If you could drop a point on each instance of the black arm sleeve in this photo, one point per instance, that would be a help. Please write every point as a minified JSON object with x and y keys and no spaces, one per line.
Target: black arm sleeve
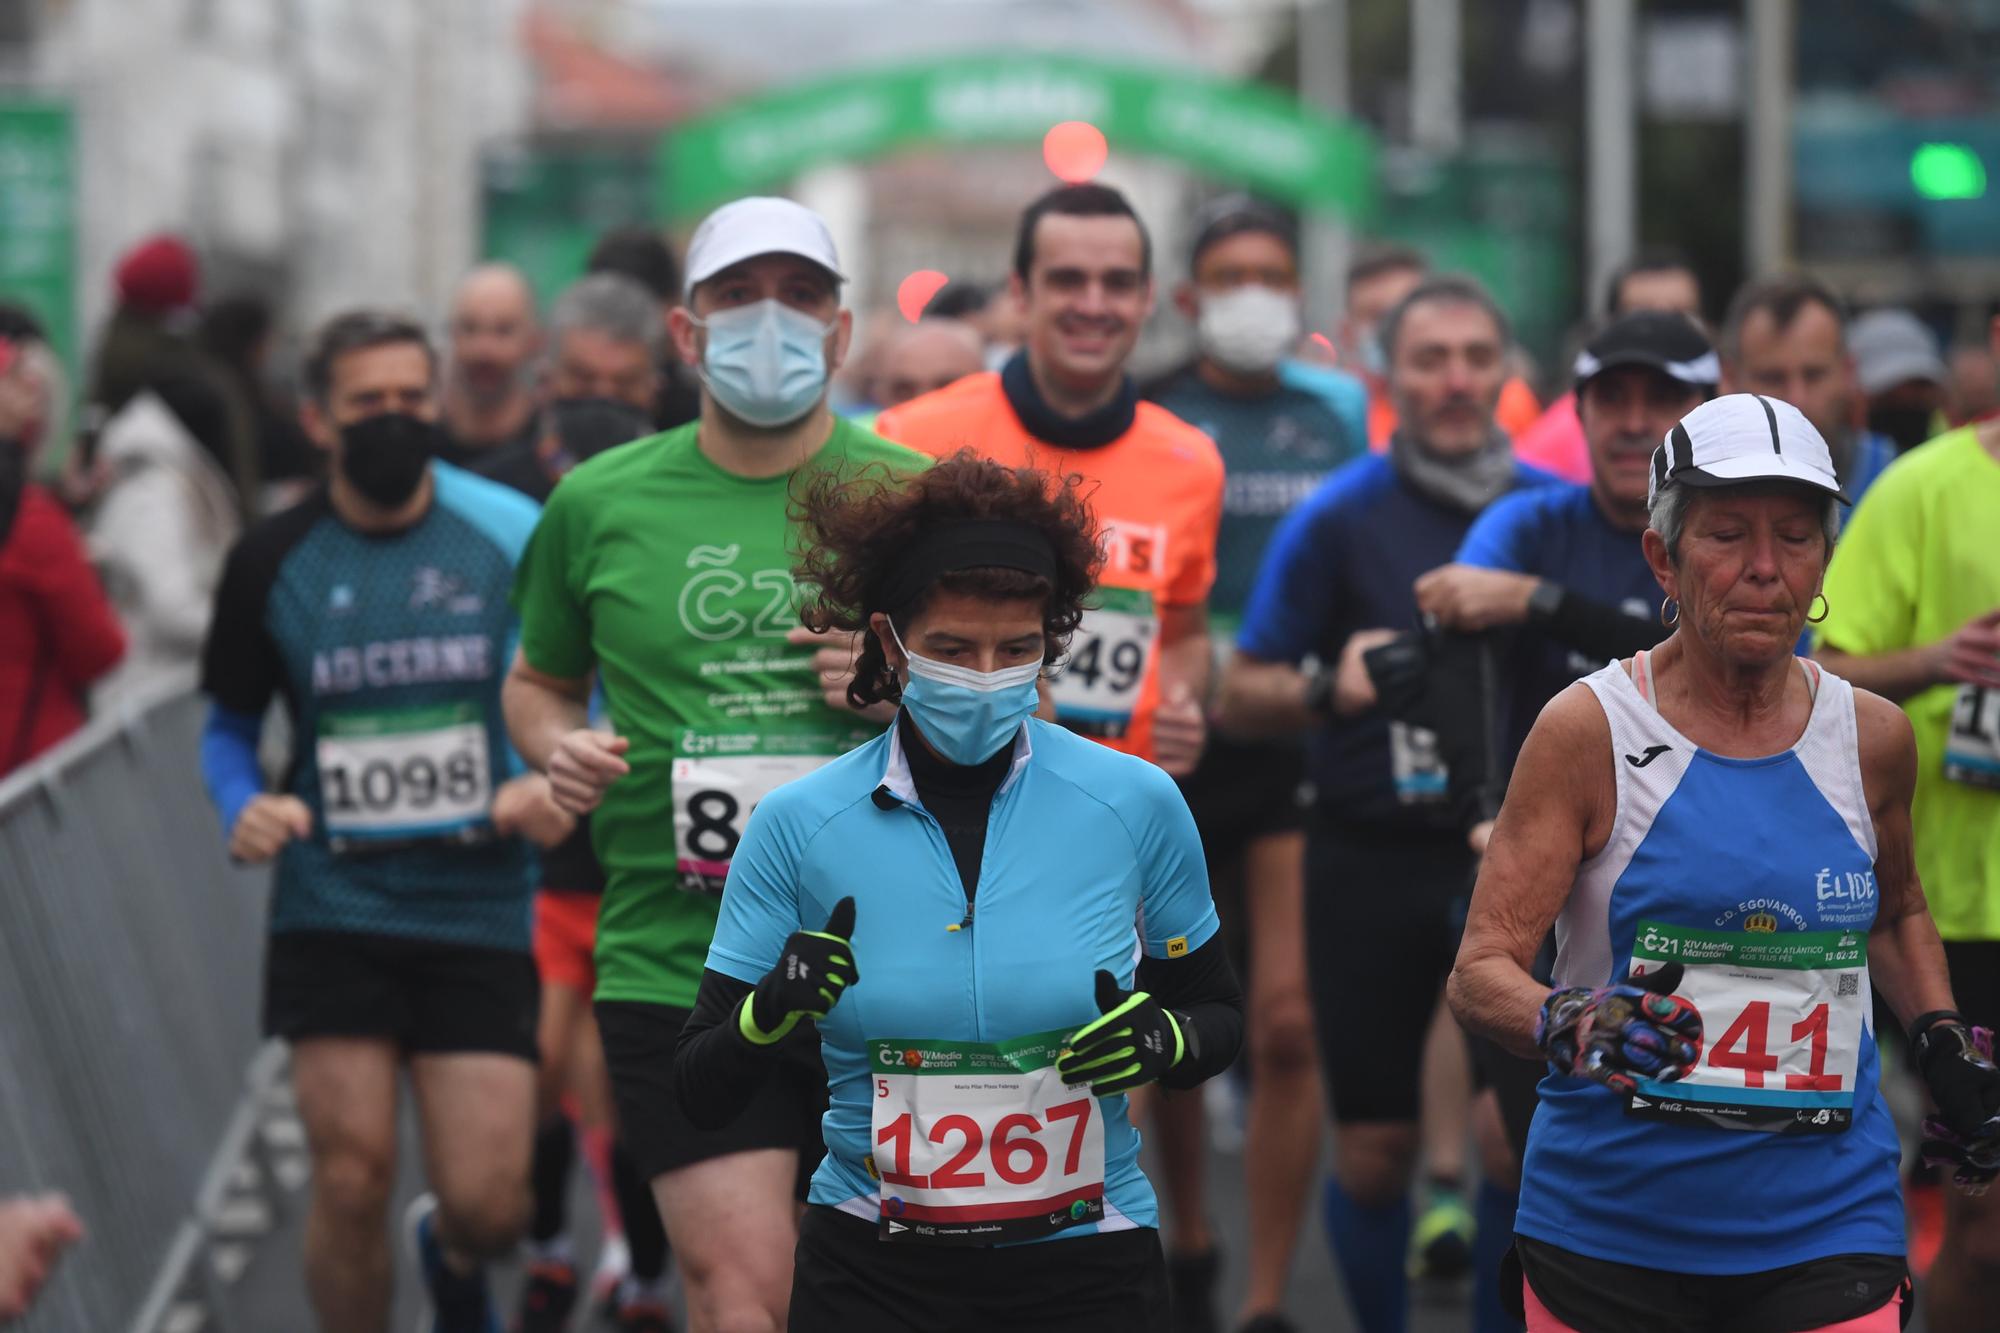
{"x":1202,"y":991}
{"x":1598,"y":629}
{"x":716,"y":1069}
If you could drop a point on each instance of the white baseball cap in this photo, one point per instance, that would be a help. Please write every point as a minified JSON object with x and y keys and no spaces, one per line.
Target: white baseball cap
{"x":1743,"y":437}
{"x":759,"y":225}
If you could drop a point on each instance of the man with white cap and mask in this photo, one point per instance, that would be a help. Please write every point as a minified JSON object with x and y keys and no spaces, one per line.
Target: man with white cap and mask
{"x":663,"y":569}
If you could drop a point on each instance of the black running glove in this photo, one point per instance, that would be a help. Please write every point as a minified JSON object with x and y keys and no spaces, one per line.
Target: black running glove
{"x":1134,"y":1042}
{"x":816,"y":968}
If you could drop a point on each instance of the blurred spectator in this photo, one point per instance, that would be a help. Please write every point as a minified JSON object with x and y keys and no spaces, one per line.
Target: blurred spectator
{"x":928,"y":355}
{"x":1900,"y":371}
{"x":158,"y":537}
{"x":959,"y":300}
{"x":33,"y":1234}
{"x":1787,"y":337}
{"x":490,"y":367}
{"x":642,"y":254}
{"x":57,"y":630}
{"x":1974,"y":391}
{"x":147,"y":345}
{"x":1653,"y":279}
{"x":1377,"y":281}
{"x":237,"y":333}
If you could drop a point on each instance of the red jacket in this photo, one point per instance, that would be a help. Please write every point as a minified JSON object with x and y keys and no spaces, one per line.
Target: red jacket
{"x":58,"y":632}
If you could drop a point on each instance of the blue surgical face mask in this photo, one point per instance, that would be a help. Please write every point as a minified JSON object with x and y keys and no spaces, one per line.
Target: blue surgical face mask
{"x":765,"y":362}
{"x":968,"y":715}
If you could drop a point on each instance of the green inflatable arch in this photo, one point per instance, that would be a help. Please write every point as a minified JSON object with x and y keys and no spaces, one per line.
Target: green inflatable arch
{"x":1246,"y":133}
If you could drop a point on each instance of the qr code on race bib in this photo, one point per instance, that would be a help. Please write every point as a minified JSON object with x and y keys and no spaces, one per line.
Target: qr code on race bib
{"x":1849,"y":984}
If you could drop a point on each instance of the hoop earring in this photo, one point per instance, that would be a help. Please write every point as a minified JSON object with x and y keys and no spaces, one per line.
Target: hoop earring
{"x":1670,"y":620}
{"x":1825,"y":609}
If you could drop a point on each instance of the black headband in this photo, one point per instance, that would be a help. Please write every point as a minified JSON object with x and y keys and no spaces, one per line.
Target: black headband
{"x":967,"y":543}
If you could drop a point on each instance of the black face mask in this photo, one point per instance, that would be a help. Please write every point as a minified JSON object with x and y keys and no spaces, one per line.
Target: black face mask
{"x":385,"y":456}
{"x":1907,"y":426}
{"x":586,"y":427}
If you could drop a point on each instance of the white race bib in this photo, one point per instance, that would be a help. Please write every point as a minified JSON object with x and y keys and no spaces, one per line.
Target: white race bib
{"x":1781,"y":1022}
{"x":1097,"y":686}
{"x":1415,"y":766}
{"x":405,"y":773}
{"x":977,"y":1144}
{"x":713,"y":797}
{"x":1972,"y":744}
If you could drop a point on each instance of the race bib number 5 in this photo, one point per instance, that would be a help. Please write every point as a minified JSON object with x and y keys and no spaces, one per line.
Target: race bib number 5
{"x":1782,"y":1017}
{"x":980,"y":1143}
{"x":397,"y":774}
{"x":1097,"y":686}
{"x":713,"y":797}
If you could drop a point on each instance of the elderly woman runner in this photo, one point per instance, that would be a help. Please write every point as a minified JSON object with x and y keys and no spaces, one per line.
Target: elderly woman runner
{"x":1000,"y":927}
{"x":1719,"y":832}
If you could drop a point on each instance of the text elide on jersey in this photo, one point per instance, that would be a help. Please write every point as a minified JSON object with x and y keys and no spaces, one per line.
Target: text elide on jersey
{"x":388,"y":663}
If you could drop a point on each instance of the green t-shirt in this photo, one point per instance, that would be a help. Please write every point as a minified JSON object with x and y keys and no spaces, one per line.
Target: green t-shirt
{"x":1917,"y":561}
{"x":673,"y":579}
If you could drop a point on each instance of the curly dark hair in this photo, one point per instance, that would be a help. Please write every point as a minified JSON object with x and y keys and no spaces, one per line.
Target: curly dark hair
{"x":855,"y":529}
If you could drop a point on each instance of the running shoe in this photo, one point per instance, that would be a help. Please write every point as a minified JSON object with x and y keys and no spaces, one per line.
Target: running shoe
{"x":454,"y":1304}
{"x":607,"y":1284}
{"x":1441,"y":1241}
{"x":643,"y":1316}
{"x":547,"y":1296}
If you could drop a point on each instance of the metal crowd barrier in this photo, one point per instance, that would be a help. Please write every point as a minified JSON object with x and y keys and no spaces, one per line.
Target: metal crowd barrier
{"x":130,"y":957}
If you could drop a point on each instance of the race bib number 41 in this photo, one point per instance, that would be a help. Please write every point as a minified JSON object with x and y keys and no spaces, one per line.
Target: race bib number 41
{"x":406,"y":773}
{"x":1781,"y":1019}
{"x":979,"y":1143}
{"x":714,"y":793}
{"x":1097,"y":686}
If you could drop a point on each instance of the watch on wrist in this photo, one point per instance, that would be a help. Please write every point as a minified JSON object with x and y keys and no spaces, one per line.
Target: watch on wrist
{"x":1319,"y":692}
{"x":1933,"y":1027}
{"x":1544,"y":601}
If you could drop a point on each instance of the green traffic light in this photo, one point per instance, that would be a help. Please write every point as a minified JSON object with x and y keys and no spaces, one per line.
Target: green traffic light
{"x":1947,"y":171}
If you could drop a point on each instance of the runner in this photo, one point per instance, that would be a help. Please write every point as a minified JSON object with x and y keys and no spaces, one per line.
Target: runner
{"x":1721,"y":835}
{"x":1650,"y":280}
{"x":1278,"y":443}
{"x":1914,"y":592}
{"x":1378,"y":280}
{"x":489,"y":393}
{"x":1338,"y":582}
{"x":1140,"y":662}
{"x":641,"y":254}
{"x":1786,"y":338}
{"x":985,"y":882}
{"x":377,"y":609}
{"x":1560,"y":573}
{"x":664,"y":567}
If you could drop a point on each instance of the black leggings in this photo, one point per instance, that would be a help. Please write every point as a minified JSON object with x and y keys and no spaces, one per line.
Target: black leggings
{"x":1383,"y":915}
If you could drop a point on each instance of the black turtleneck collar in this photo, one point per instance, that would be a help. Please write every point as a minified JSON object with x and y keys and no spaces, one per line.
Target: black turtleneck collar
{"x":1093,"y":430}
{"x":934,"y":775}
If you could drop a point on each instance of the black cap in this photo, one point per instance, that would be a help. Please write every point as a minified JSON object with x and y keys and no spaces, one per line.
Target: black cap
{"x":1662,"y":340}
{"x":1234,"y":214}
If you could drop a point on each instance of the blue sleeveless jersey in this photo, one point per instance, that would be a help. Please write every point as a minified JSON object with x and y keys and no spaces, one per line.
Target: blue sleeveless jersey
{"x":1727,"y":849}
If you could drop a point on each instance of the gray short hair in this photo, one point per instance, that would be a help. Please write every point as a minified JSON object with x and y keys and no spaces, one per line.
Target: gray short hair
{"x":614,"y":305}
{"x":1667,"y":515}
{"x":1443,"y":289}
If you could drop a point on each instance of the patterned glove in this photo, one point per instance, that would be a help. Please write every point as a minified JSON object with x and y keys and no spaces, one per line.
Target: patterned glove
{"x":1134,"y":1042}
{"x":815,"y":971}
{"x":1957,"y":1063}
{"x":1614,"y":1033}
